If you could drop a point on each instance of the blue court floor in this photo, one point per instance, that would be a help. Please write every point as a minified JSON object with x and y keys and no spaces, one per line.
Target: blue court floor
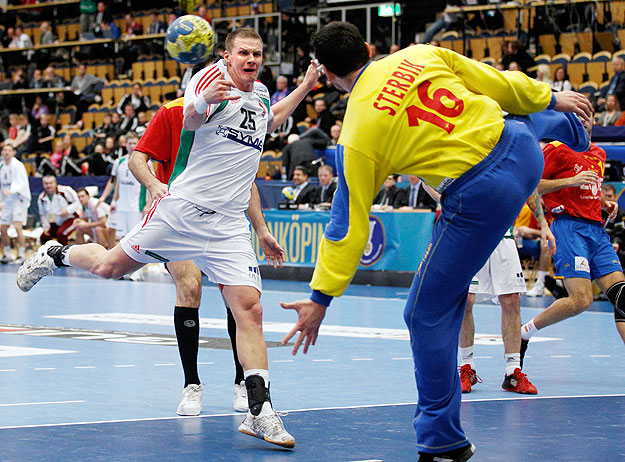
{"x":89,"y":371}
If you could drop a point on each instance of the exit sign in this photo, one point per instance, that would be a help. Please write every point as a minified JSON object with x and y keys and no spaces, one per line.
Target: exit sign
{"x":385,"y":11}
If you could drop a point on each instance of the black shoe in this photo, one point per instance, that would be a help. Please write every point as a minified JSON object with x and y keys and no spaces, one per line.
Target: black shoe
{"x":457,"y":455}
{"x":556,"y":289}
{"x":524,"y":344}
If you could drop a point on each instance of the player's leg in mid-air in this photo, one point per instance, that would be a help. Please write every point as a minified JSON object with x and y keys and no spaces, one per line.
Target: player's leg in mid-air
{"x":108,"y":264}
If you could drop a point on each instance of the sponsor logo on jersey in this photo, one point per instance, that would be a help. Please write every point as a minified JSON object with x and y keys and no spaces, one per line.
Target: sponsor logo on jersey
{"x":558,"y":209}
{"x":240,"y":137}
{"x":375,"y":245}
{"x":581,"y":264}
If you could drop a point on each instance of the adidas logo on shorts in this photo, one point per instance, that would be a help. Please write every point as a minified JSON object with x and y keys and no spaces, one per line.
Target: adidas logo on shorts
{"x":136,"y":248}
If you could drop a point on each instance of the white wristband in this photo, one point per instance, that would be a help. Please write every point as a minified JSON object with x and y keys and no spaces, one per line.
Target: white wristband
{"x":200,"y":105}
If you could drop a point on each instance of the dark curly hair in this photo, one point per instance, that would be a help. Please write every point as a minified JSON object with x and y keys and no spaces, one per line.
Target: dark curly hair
{"x":340,"y":48}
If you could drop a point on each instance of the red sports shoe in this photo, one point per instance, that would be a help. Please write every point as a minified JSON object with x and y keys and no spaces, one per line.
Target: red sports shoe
{"x":468,"y":377}
{"x":518,"y":383}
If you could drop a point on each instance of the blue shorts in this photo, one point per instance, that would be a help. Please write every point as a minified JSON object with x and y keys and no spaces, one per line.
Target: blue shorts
{"x":583,"y":249}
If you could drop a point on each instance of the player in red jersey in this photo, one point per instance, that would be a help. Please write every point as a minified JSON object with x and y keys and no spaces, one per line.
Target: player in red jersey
{"x":571,"y":188}
{"x":160,"y":142}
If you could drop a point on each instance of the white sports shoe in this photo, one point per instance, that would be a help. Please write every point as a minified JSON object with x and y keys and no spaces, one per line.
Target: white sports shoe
{"x":35,"y":268}
{"x":269,"y":428}
{"x":239,"y":403}
{"x":7,"y":259}
{"x":536,"y":291}
{"x":191,"y":403}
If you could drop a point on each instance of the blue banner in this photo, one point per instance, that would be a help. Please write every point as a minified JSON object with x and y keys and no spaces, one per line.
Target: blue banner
{"x":397,"y":241}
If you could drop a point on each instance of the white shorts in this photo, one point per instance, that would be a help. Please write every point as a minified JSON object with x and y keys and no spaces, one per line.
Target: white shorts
{"x":123,"y":222}
{"x":501,"y":274}
{"x":14,"y":209}
{"x":177,"y":230}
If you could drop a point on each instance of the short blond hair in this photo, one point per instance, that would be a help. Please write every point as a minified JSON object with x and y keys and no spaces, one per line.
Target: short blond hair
{"x":243,"y":32}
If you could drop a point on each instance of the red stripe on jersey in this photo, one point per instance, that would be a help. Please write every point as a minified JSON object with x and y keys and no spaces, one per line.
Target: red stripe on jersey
{"x":152,"y":210}
{"x":205,"y":77}
{"x":206,"y":84}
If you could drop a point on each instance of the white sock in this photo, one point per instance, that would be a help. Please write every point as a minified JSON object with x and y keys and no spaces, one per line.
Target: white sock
{"x":65,"y":258}
{"x":513,"y":361}
{"x":21,"y":251}
{"x":540,"y":280}
{"x":467,"y":356}
{"x":528,"y":329}
{"x":7,"y":250}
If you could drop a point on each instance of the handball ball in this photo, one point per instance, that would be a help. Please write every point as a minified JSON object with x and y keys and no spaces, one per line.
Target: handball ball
{"x":288,"y":192}
{"x":190,"y":39}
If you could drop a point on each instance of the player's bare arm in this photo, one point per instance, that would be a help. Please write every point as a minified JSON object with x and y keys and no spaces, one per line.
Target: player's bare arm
{"x":309,"y":318}
{"x":217,"y":92}
{"x":548,"y":240}
{"x":138,"y":165}
{"x":283,"y":109}
{"x":546,"y":186}
{"x":272,"y":250}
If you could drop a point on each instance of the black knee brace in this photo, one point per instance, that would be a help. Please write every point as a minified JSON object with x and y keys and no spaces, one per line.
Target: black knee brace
{"x":257,"y":393}
{"x":616,"y":295}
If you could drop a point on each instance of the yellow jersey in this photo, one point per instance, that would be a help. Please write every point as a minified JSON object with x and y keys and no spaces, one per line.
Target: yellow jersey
{"x":424,"y":111}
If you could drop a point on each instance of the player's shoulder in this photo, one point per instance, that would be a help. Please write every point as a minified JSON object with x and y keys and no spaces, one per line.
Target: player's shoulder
{"x":177,"y":103}
{"x":261,"y":90}
{"x":207,"y":75}
{"x":555,"y":146}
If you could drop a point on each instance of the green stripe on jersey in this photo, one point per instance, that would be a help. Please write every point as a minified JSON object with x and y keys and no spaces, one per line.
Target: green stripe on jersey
{"x":142,"y":198}
{"x":510,"y":233}
{"x":186,"y":142}
{"x":266,"y":101}
{"x":220,"y":108}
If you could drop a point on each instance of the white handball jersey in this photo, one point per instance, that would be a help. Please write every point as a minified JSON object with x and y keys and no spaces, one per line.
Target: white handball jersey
{"x":217,"y":164}
{"x":129,"y":195}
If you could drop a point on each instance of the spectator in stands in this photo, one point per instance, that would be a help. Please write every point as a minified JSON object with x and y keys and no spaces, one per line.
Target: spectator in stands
{"x":561,"y":80}
{"x":514,"y":66}
{"x":414,"y":196}
{"x":373,"y":52}
{"x":139,"y":101}
{"x":37,"y":80}
{"x":87,"y":88}
{"x":133,"y":27}
{"x":616,"y":85}
{"x":39,"y":109}
{"x":88,"y":11}
{"x":513,"y":51}
{"x":300,"y":112}
{"x":304,"y":191}
{"x":102,"y":20}
{"x":156,"y":25}
{"x":335,"y":133}
{"x":615,"y":227}
{"x":7,"y":37}
{"x":302,"y":60}
{"x":128,"y":120}
{"x":386,"y":198}
{"x":20,"y":39}
{"x":301,"y":151}
{"x":394,"y":49}
{"x":202,"y":12}
{"x":42,"y":136}
{"x":106,"y":129}
{"x":92,"y":220}
{"x":611,"y":113}
{"x":46,"y":36}
{"x":265,"y":76}
{"x":53,"y":203}
{"x":282,"y":89}
{"x":24,"y":130}
{"x":325,"y":120}
{"x":325,"y":191}
{"x":543,"y":74}
{"x":16,"y":103}
{"x":445,"y":22}
{"x":53,"y":80}
{"x":142,"y":123}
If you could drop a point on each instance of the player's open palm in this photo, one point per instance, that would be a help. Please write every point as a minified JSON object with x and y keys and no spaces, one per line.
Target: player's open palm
{"x":219,"y":91}
{"x":309,"y":318}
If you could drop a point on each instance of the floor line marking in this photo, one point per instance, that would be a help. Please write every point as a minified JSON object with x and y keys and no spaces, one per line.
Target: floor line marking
{"x":283,"y":361}
{"x":322,"y":360}
{"x":362,"y":359}
{"x":401,"y":359}
{"x":84,"y":367}
{"x":165,"y":364}
{"x":7,"y":370}
{"x":199,"y":364}
{"x":45,"y":368}
{"x":43,"y":402}
{"x":600,"y":356}
{"x":560,"y":356}
{"x":123,"y":365}
{"x":335,"y":408}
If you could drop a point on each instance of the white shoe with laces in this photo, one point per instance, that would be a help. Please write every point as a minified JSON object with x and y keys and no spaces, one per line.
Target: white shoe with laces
{"x":35,"y":268}
{"x":536,"y":291}
{"x":269,"y":428}
{"x":191,"y":403}
{"x":239,"y":403}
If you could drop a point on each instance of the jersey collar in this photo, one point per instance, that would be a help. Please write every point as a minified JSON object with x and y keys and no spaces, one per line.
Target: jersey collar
{"x":359,"y":74}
